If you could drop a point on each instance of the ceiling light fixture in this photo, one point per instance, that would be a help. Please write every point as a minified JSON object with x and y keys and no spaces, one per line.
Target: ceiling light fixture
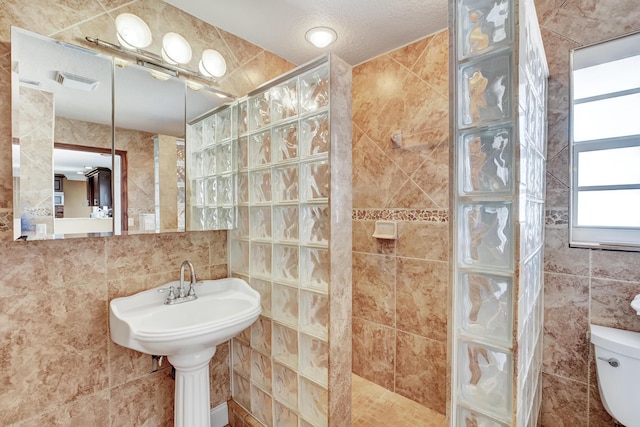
{"x":321,"y":37}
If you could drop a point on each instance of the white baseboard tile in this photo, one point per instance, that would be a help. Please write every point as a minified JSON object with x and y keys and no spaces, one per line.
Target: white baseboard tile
{"x":220,"y":415}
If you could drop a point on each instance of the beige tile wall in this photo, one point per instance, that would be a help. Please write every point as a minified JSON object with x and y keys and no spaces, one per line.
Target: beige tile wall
{"x":57,"y":363}
{"x":400,"y":287}
{"x":581,"y":286}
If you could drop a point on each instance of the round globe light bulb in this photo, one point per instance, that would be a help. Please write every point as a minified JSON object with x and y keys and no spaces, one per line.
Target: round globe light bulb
{"x":175,"y":49}
{"x":212,"y":64}
{"x":321,"y":37}
{"x":132,"y":32}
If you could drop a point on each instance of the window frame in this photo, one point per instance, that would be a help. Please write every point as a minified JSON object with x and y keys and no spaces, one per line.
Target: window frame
{"x":600,"y":237}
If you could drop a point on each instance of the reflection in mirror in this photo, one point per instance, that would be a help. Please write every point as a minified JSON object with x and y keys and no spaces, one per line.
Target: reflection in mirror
{"x":54,"y":87}
{"x":62,"y":95}
{"x":605,"y":145}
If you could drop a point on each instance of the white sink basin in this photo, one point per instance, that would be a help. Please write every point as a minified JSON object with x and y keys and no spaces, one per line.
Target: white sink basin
{"x":144,"y":323}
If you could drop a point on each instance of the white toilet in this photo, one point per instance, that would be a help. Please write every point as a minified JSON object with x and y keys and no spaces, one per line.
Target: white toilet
{"x":618,"y":366}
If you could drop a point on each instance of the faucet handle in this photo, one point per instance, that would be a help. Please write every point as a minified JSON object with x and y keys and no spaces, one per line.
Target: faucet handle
{"x":172,"y":295}
{"x":192,"y":291}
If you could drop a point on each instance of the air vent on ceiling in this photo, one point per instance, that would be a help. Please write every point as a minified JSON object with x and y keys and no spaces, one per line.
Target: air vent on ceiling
{"x":76,"y":82}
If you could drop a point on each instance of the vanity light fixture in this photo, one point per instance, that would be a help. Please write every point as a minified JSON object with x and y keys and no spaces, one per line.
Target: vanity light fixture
{"x":134,"y":35}
{"x":132,"y":32}
{"x":175,"y":49}
{"x":212,"y":64}
{"x":321,"y":37}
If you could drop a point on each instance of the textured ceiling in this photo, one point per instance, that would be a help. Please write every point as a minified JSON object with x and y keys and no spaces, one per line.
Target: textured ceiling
{"x":366,"y":28}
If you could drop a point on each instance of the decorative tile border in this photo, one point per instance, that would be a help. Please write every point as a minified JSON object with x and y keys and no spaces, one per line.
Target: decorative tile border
{"x":408,"y":215}
{"x":556,"y":217}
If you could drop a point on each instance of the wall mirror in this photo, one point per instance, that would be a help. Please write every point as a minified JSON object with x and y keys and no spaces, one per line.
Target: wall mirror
{"x":605,"y":145}
{"x":98,"y":143}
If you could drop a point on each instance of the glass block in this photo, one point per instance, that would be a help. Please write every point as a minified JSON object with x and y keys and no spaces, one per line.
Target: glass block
{"x":285,"y":183}
{"x":314,"y":269}
{"x":487,"y":161}
{"x":239,"y":256}
{"x":260,"y":149}
{"x":261,"y":335}
{"x":198,"y":190}
{"x":223,"y":125}
{"x":314,"y":89}
{"x":197,"y":218}
{"x":194,"y":136}
{"x":314,"y":180}
{"x":486,"y":235}
{"x":485,"y":91}
{"x":264,"y":289}
{"x":197,"y":165}
{"x":285,"y":385}
{"x":261,"y":370}
{"x":225,"y":157}
{"x":261,"y":260}
{"x":211,"y":219}
{"x":259,"y":111}
{"x":209,"y":162}
{"x":242,"y":391}
{"x":285,"y":223}
{"x":260,"y":222}
{"x":226,"y":190}
{"x":314,"y":224}
{"x":209,"y":130}
{"x":467,"y":417}
{"x":260,"y":186}
{"x":243,"y":118}
{"x":314,"y":356}
{"x":313,"y":402}
{"x":261,"y":404}
{"x":284,"y":100}
{"x":241,"y":357}
{"x":314,"y":314}
{"x":485,"y":307}
{"x":484,"y":26}
{"x":485,"y":379}
{"x":227,"y":218}
{"x":285,"y":143}
{"x":283,"y":416}
{"x":314,"y":135}
{"x":243,"y":188}
{"x":285,"y":263}
{"x":243,"y":153}
{"x":285,"y":305}
{"x":211,"y":190}
{"x":285,"y":345}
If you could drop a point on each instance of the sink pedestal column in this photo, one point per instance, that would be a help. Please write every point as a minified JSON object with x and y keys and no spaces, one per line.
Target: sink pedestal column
{"x":192,"y":388}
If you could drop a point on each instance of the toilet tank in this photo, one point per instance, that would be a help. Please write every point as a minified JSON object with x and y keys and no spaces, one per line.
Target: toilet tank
{"x":619,"y":385}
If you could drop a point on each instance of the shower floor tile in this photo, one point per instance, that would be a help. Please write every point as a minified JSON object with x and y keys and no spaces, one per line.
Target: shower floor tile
{"x":375,"y":406}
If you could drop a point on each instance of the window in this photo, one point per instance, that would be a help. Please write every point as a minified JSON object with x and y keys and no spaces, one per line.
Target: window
{"x":605,"y":145}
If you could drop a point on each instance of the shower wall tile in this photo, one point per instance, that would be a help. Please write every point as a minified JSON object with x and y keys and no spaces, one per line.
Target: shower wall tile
{"x":421,"y":364}
{"x":409,"y":185}
{"x":374,"y":352}
{"x":83,"y":274}
{"x":419,"y":285}
{"x":374,"y":288}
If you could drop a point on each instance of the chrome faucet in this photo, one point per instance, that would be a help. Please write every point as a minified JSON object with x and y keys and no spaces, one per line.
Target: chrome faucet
{"x":184,"y":295}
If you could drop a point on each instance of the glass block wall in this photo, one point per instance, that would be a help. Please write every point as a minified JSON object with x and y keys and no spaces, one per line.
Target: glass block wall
{"x":212,"y":170}
{"x":499,"y":144}
{"x":293,"y":245}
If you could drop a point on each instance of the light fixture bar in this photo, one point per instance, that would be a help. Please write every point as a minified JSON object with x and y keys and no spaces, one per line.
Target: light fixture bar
{"x":154,"y":62}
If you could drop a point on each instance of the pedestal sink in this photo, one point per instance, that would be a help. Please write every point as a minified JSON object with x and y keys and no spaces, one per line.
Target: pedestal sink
{"x":187,"y":333}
